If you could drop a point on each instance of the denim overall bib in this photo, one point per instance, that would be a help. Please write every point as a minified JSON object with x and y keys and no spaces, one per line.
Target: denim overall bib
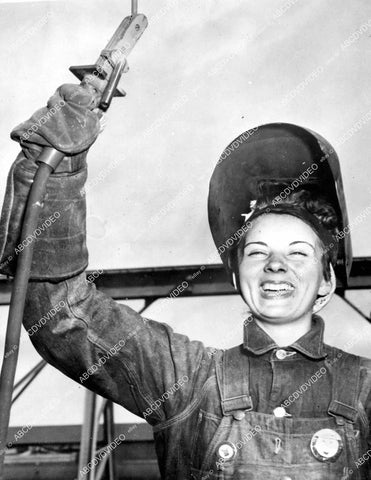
{"x":250,"y":445}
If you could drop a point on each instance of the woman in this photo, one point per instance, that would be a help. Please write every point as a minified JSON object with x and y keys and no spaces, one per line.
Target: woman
{"x":283,"y":405}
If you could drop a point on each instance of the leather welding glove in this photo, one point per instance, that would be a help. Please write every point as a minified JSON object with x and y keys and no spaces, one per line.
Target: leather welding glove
{"x":69,"y":124}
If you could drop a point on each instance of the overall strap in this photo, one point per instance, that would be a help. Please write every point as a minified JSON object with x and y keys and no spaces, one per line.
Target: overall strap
{"x":233,"y":380}
{"x":345,"y":387}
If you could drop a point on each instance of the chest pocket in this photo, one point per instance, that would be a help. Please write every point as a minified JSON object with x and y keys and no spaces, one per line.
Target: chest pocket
{"x":262,"y":447}
{"x":254,"y":446}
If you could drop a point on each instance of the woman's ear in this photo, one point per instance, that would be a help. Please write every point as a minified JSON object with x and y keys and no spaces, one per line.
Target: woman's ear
{"x":325,"y":291}
{"x":325,"y":287}
{"x":234,"y":281}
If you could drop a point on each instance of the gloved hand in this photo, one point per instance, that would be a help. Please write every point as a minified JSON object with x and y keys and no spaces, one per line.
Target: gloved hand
{"x":70,"y":124}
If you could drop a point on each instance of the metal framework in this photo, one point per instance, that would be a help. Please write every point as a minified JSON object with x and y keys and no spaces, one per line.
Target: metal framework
{"x":159,"y":282}
{"x":151,"y":284}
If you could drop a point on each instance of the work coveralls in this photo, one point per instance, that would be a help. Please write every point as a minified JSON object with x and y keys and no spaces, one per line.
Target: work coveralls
{"x":252,"y":412}
{"x":211,"y":411}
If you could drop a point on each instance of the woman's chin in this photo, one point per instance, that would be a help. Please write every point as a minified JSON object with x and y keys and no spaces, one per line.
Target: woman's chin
{"x":277,"y":313}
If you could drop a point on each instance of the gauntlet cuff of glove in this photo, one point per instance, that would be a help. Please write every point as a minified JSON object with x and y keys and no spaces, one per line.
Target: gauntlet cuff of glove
{"x":59,"y":240}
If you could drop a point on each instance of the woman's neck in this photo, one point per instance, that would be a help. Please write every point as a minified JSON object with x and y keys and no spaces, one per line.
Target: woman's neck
{"x":288,"y":333}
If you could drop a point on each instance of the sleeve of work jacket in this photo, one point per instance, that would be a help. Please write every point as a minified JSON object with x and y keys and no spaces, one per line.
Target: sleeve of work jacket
{"x":109,"y":348}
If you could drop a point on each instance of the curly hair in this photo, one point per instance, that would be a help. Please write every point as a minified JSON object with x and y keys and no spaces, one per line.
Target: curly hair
{"x":316,"y":204}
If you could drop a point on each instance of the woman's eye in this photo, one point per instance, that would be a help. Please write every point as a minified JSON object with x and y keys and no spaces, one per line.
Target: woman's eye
{"x":298,"y":252}
{"x":256,"y":253}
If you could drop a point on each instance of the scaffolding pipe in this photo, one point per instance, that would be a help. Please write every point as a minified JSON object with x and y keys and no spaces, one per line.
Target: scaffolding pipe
{"x":87,"y":434}
{"x":28,"y":378}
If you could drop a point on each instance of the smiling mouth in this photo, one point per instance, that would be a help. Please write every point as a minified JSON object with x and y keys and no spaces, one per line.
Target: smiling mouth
{"x":276,"y":289}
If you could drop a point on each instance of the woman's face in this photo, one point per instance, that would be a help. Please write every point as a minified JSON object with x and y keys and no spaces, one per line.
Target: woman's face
{"x":280,"y":271}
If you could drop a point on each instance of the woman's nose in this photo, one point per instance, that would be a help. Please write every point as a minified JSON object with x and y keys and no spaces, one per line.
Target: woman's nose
{"x":275,"y":263}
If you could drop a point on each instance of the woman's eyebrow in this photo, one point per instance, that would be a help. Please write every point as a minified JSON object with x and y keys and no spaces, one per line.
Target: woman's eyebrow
{"x":302,"y":241}
{"x":254,"y":243}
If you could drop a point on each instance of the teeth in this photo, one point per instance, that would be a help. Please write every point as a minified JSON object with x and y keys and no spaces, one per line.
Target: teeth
{"x":276,"y":287}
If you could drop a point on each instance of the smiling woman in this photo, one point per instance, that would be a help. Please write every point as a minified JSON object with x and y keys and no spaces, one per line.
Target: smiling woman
{"x":284,"y":378}
{"x":281,"y":273}
{"x":284,"y":259}
{"x":314,"y":210}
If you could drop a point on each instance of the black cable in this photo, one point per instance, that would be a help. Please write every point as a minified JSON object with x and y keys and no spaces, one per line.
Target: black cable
{"x":17,"y":302}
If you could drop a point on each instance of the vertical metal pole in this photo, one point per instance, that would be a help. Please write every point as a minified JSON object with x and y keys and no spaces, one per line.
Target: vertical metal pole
{"x":101,"y":468}
{"x":87,"y":433}
{"x":134,"y":7}
{"x":94,"y":439}
{"x":109,"y":436}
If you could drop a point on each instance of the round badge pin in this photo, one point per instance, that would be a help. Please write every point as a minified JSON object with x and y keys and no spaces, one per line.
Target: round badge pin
{"x":227,"y":451}
{"x":280,"y":412}
{"x":326,"y":445}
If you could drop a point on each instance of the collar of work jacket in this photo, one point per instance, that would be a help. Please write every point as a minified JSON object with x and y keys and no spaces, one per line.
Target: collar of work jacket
{"x":257,"y":341}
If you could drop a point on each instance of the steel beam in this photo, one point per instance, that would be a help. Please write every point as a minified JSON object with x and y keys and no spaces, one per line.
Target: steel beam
{"x":203,"y":280}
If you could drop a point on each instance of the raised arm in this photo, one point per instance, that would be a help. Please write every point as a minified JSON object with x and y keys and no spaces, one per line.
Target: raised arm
{"x":109,"y":348}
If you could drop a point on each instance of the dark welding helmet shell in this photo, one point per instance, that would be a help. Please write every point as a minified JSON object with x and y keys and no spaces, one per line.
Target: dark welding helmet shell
{"x":263,"y":162}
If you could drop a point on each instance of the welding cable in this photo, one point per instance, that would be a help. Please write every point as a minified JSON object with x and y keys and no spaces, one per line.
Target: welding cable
{"x":49,"y":160}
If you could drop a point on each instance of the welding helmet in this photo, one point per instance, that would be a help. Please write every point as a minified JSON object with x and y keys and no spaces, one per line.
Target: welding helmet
{"x":273,"y":160}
